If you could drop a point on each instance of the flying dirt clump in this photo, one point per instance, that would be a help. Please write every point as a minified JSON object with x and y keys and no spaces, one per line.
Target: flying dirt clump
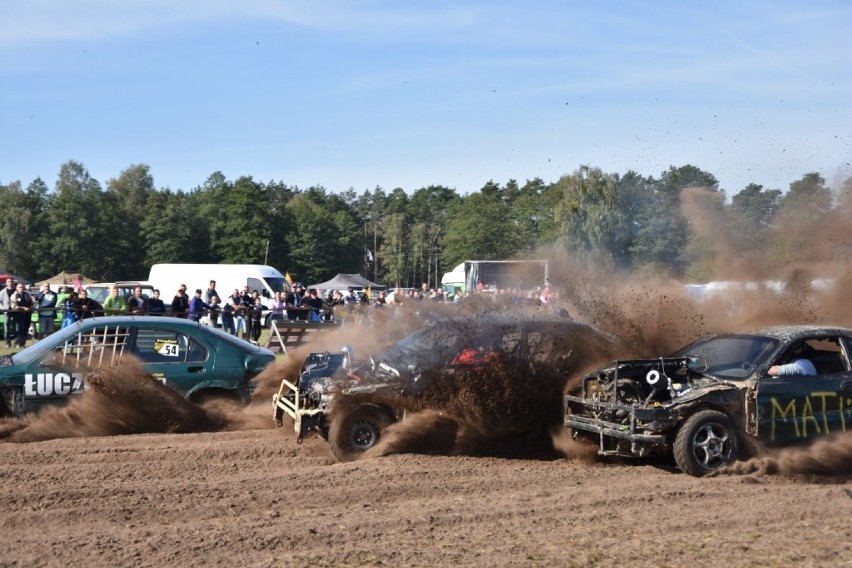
{"x":119,"y":399}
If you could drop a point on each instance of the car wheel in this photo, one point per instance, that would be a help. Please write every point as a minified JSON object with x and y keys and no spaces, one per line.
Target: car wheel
{"x":705,"y":442}
{"x":355,"y":432}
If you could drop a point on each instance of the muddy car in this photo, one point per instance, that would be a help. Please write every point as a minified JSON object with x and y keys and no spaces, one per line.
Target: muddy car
{"x":710,"y":401}
{"x":350,"y":402}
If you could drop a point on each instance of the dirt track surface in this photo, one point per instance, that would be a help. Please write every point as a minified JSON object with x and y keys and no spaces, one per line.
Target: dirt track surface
{"x":256,"y":498}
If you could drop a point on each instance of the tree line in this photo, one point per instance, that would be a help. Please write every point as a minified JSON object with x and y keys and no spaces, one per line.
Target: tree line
{"x":629,"y":221}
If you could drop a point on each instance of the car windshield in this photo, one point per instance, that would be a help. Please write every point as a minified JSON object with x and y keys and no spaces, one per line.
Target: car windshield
{"x":37,"y":350}
{"x":423,"y":348}
{"x":97,"y":293}
{"x":730,"y":356}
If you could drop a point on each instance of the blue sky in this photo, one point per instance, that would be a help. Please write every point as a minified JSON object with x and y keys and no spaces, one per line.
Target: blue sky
{"x":363,"y":94}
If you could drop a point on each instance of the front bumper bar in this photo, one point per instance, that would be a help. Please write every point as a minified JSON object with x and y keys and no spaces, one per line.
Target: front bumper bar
{"x":644,"y":425}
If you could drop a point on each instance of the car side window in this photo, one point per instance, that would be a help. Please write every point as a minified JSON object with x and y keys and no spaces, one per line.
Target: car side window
{"x":167,"y":346}
{"x":195,"y":351}
{"x":826,"y":353}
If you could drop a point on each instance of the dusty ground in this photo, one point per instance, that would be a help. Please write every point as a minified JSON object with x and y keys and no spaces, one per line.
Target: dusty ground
{"x":96,"y":485}
{"x":256,"y":498}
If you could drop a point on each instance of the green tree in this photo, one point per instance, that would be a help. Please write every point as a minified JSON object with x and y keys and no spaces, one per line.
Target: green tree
{"x":280,"y":223}
{"x":170,"y":230}
{"x":753,"y":209}
{"x":394,"y":249}
{"x":15,"y":229}
{"x":797,"y":233}
{"x":428,"y":212}
{"x":240,"y":230}
{"x":662,"y":230}
{"x":42,"y":264}
{"x":534,"y":214}
{"x":593,"y":219}
{"x":808,"y":197}
{"x":481,"y":228}
{"x":78,"y":236}
{"x":129,"y":192}
{"x":322,"y":242}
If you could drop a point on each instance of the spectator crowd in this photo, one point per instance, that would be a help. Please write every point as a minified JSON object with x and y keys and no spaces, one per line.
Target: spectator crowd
{"x":242,"y":313}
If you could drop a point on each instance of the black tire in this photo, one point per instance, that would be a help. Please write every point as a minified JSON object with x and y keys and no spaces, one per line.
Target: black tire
{"x":706,"y":441}
{"x":355,"y":432}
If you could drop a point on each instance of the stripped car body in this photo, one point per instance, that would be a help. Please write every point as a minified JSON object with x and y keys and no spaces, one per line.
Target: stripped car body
{"x":349,"y":402}
{"x":707,"y":402}
{"x":189,"y":357}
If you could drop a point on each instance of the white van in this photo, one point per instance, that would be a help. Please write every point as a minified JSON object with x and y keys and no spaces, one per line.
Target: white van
{"x":168,"y":277}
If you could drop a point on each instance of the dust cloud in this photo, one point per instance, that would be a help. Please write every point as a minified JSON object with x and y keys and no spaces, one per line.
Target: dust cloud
{"x":118,"y":399}
{"x":507,"y":407}
{"x":830,"y":456}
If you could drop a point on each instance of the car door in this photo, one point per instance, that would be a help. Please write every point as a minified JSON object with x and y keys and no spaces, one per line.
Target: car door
{"x":59,"y":372}
{"x":173,"y":357}
{"x":795,"y":408}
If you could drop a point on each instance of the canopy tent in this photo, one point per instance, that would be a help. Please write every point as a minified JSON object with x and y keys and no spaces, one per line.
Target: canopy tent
{"x":66,"y":278}
{"x":5,"y":274}
{"x":347,"y":282}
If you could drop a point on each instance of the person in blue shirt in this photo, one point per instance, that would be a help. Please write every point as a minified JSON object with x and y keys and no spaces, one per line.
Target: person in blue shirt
{"x":801,"y":367}
{"x":796,"y":364}
{"x":197,"y":307}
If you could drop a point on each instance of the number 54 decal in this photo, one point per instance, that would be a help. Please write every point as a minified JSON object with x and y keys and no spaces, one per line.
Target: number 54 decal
{"x":167,"y":347}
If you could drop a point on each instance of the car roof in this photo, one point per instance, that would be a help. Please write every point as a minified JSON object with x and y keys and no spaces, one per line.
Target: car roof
{"x":154,"y":320}
{"x":131,"y":319}
{"x":793,"y":332}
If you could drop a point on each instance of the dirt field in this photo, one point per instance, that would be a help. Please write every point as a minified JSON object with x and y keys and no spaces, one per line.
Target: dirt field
{"x":128,"y":476}
{"x":256,"y":498}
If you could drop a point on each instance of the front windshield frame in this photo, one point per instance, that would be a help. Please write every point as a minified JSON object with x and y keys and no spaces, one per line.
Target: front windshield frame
{"x":731,"y":356}
{"x":46,"y":345}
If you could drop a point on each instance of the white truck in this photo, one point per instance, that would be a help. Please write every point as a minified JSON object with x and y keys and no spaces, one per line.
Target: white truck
{"x":496,"y":274}
{"x":168,"y":277}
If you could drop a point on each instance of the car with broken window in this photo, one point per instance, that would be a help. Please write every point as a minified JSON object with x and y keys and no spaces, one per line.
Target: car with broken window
{"x":192,"y":358}
{"x":711,"y":402}
{"x":350,"y":401}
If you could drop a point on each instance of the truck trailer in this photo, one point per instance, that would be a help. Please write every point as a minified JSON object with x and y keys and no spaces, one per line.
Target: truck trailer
{"x":496,"y":274}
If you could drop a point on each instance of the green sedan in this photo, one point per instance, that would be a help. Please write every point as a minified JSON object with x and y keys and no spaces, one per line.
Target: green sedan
{"x":192,"y":358}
